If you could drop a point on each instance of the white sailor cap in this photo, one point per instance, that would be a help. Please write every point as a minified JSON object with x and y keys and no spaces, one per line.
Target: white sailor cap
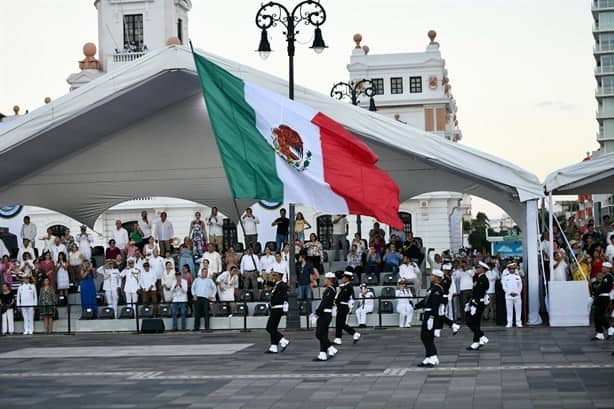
{"x":130,"y":260}
{"x":484,"y":265}
{"x":437,"y":273}
{"x":446,"y":266}
{"x":279,"y":273}
{"x":348,"y":273}
{"x":363,"y":285}
{"x":606,"y":264}
{"x":511,"y":265}
{"x":330,"y":275}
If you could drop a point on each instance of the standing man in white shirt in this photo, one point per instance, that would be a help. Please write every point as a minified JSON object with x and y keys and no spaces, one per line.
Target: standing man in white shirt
{"x":490,"y":309}
{"x":148,"y":285}
{"x":111,"y":284}
{"x":214,"y":226}
{"x":164,"y":233}
{"x":609,"y":251}
{"x":340,"y":232}
{"x":58,"y":247}
{"x":512,"y":285}
{"x":266,"y":268}
{"x":465,"y":275}
{"x":180,"y":300}
{"x":281,"y":266}
{"x":250,"y":224}
{"x":27,"y":248}
{"x":120,"y":235}
{"x":145,"y":229}
{"x":28,"y":230}
{"x":215,"y":261}
{"x":410,"y":272}
{"x":27,"y":300}
{"x":250,"y":266}
{"x":157,"y":264}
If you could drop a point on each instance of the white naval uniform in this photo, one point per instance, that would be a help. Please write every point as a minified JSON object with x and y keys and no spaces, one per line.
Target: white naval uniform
{"x":132,"y":284}
{"x":112,"y":282}
{"x":404,"y":308}
{"x":512,"y":283}
{"x":26,"y":296}
{"x":365,"y":306}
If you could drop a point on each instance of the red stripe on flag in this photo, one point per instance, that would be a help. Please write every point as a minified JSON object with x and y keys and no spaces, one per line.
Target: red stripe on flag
{"x":350,"y":170}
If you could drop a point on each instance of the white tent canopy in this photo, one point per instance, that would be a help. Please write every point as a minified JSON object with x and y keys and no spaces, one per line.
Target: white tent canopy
{"x":143,"y":131}
{"x":591,"y":176}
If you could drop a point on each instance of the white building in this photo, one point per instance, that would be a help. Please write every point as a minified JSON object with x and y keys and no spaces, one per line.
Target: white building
{"x":414,"y":88}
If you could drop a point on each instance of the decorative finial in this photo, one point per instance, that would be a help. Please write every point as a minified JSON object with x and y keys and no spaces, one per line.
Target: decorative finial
{"x":397,"y":117}
{"x":357,"y":40}
{"x":47,"y":100}
{"x":432,"y":34}
{"x":89,"y":62}
{"x":446,"y":80}
{"x":366,"y":49}
{"x":173,"y":41}
{"x":16,"y":109}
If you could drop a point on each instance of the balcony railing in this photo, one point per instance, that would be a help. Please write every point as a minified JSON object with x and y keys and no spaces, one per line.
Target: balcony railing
{"x":127,"y":57}
{"x":603,"y":4}
{"x":603,"y":27}
{"x":605,"y":91}
{"x":604,"y":47}
{"x":604,"y":69}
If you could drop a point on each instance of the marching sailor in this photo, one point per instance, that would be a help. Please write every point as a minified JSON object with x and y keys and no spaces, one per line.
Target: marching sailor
{"x":449,"y":289}
{"x":27,"y":300}
{"x":512,"y":285}
{"x":601,"y":286}
{"x":344,"y":302}
{"x":475,"y":307}
{"x":278,"y":305}
{"x":431,"y":305}
{"x":112,"y":283}
{"x":324,"y":317}
{"x":365,"y":305}
{"x":405,"y":307}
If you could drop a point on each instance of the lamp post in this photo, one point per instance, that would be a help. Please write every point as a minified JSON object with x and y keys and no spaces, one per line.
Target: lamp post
{"x":354,"y":90}
{"x":307,"y":12}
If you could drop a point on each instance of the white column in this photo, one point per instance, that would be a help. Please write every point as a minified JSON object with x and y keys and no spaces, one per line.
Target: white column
{"x":551,"y":233}
{"x":531,"y":245}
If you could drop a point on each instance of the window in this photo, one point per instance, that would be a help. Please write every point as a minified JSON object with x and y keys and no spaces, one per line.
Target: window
{"x":325,"y":230}
{"x":415,"y":85}
{"x":180,"y":30}
{"x":396,"y":85}
{"x":133,"y":32}
{"x":378,"y":86}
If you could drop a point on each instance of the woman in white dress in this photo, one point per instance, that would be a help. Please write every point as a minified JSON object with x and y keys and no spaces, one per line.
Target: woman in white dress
{"x":84,"y":241}
{"x":61,"y":271}
{"x":168,"y":279}
{"x":404,"y":305}
{"x":559,"y":273}
{"x":227,"y":282}
{"x":149,"y":248}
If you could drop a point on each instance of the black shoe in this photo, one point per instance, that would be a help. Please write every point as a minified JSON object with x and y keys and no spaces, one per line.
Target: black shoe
{"x":362,"y":326}
{"x":269,"y":352}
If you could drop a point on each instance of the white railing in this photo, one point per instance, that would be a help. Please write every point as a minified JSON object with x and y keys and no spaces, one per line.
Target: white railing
{"x":127,"y":57}
{"x":603,"y":27}
{"x":604,"y":47}
{"x":604,"y":69}
{"x":602,"y":91}
{"x":603,"y":4}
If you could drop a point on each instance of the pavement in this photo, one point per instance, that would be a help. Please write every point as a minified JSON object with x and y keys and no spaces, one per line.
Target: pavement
{"x":520,"y":368}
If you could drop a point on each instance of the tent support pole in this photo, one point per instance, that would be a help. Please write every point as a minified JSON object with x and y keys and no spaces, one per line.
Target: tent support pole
{"x":550,"y":233}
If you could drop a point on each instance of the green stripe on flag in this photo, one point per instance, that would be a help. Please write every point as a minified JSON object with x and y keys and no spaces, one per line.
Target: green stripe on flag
{"x":249,"y":161}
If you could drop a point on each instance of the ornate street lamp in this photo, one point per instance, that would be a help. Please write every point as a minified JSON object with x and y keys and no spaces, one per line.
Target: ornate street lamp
{"x":354,"y":90}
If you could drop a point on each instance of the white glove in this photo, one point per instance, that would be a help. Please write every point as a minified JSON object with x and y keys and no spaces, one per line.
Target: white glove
{"x":313,"y":319}
{"x":429,"y":323}
{"x":473,"y":310}
{"x":285,"y":307}
{"x":486,"y":299}
{"x":260,"y":280}
{"x":442,"y":310}
{"x":467,"y":307}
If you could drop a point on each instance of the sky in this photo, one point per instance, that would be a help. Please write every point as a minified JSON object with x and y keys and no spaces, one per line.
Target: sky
{"x":521,"y":70}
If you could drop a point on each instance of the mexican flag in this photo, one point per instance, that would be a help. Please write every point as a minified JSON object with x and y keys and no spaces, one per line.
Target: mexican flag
{"x":279,"y":150}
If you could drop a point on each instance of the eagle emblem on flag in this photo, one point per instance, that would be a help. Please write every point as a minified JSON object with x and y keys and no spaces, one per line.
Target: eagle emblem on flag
{"x":289,"y":146}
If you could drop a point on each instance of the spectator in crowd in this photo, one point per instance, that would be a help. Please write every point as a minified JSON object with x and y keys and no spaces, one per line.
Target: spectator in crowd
{"x":250,"y":224}
{"x":280,"y":266}
{"x":605,"y":227}
{"x":231,"y":257}
{"x":374,"y":261}
{"x":7,"y":308}
{"x":572,"y":228}
{"x":227,"y":283}
{"x":61,"y":273}
{"x":179,"y":292}
{"x":266,"y":268}
{"x":379,"y":244}
{"x":197,"y":235}
{"x":465,"y":275}
{"x":590,"y":233}
{"x":131,"y":275}
{"x":249,"y":269}
{"x":282,"y":223}
{"x":27,"y":299}
{"x":376,"y":231}
{"x":157,"y":264}
{"x":285,"y":254}
{"x":434,"y":260}
{"x":187,"y":274}
{"x":7,"y":268}
{"x":47,"y":301}
{"x":168,"y":258}
{"x":410,"y":272}
{"x":68,"y":239}
{"x":490,"y":310}
{"x":405,"y":306}
{"x":214,"y":224}
{"x":203,"y":292}
{"x":300,"y":226}
{"x":214,"y":258}
{"x":147,"y":285}
{"x":314,"y":251}
{"x":85,"y":241}
{"x":136,"y":236}
{"x":168,"y":278}
{"x":120,"y":235}
{"x":305,"y":274}
{"x":414,"y":250}
{"x":28,"y":230}
{"x":392,"y":259}
{"x":75,"y":261}
{"x":340,"y":232}
{"x":111,"y":284}
{"x":596,"y":261}
{"x":112,"y":251}
{"x":48,"y":266}
{"x":144,"y":227}
{"x":164,"y":232}
{"x":149,"y":247}
{"x":354,"y":258}
{"x":3,"y":250}
{"x":512,"y":286}
{"x":361,"y":246}
{"x":88,"y":288}
{"x":131,"y":250}
{"x":365,"y":305}
{"x":559,"y":272}
{"x":27,"y":248}
{"x":57,"y":247}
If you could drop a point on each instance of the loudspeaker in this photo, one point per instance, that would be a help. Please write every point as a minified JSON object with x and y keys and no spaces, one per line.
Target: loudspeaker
{"x":152,"y":326}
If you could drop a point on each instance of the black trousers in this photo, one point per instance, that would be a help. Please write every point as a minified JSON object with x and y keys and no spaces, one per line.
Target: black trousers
{"x":322,"y":330}
{"x":600,"y":313}
{"x":474,"y":323}
{"x":201,"y":310}
{"x":340,"y":321}
{"x":273,"y":323}
{"x":428,"y":337}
